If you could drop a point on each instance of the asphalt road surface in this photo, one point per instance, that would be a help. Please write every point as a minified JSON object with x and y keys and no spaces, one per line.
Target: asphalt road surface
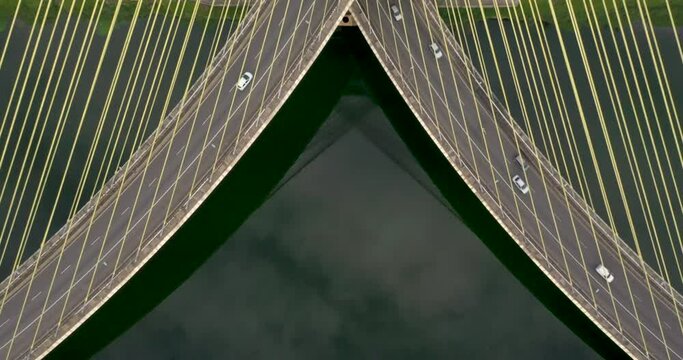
{"x":166,"y":178}
{"x":457,"y":105}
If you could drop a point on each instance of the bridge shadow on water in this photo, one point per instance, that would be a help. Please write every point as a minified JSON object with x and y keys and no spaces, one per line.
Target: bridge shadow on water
{"x":346,"y":58}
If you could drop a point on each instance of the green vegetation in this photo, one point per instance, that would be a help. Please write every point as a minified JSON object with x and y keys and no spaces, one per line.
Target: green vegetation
{"x":31,"y":8}
{"x":602,"y":10}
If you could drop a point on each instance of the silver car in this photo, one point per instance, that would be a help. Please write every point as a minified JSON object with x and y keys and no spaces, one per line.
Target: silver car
{"x":522,"y":162}
{"x":521,"y":184}
{"x":396,"y":13}
{"x":244,"y":81}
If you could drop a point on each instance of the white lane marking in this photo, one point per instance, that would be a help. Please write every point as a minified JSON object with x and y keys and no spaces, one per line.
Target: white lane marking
{"x":181,"y":150}
{"x":36,"y":295}
{"x":152,"y":182}
{"x":3,"y":323}
{"x":125,"y":211}
{"x":96,"y":240}
{"x":65,"y":269}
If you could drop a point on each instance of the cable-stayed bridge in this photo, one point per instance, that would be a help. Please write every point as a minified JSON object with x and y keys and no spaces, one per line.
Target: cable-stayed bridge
{"x":149,"y":197}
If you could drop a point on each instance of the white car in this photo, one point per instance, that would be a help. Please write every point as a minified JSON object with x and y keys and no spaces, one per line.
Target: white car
{"x":244,"y":81}
{"x":396,"y":12}
{"x":521,"y":184}
{"x":436,"y":50}
{"x":604,"y":272}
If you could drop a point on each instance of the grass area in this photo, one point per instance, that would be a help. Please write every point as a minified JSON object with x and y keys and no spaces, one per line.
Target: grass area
{"x":31,"y":8}
{"x":603,"y":10}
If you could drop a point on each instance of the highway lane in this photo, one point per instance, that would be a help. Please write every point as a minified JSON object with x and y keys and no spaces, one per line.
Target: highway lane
{"x":545,"y":215}
{"x":269,"y":49}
